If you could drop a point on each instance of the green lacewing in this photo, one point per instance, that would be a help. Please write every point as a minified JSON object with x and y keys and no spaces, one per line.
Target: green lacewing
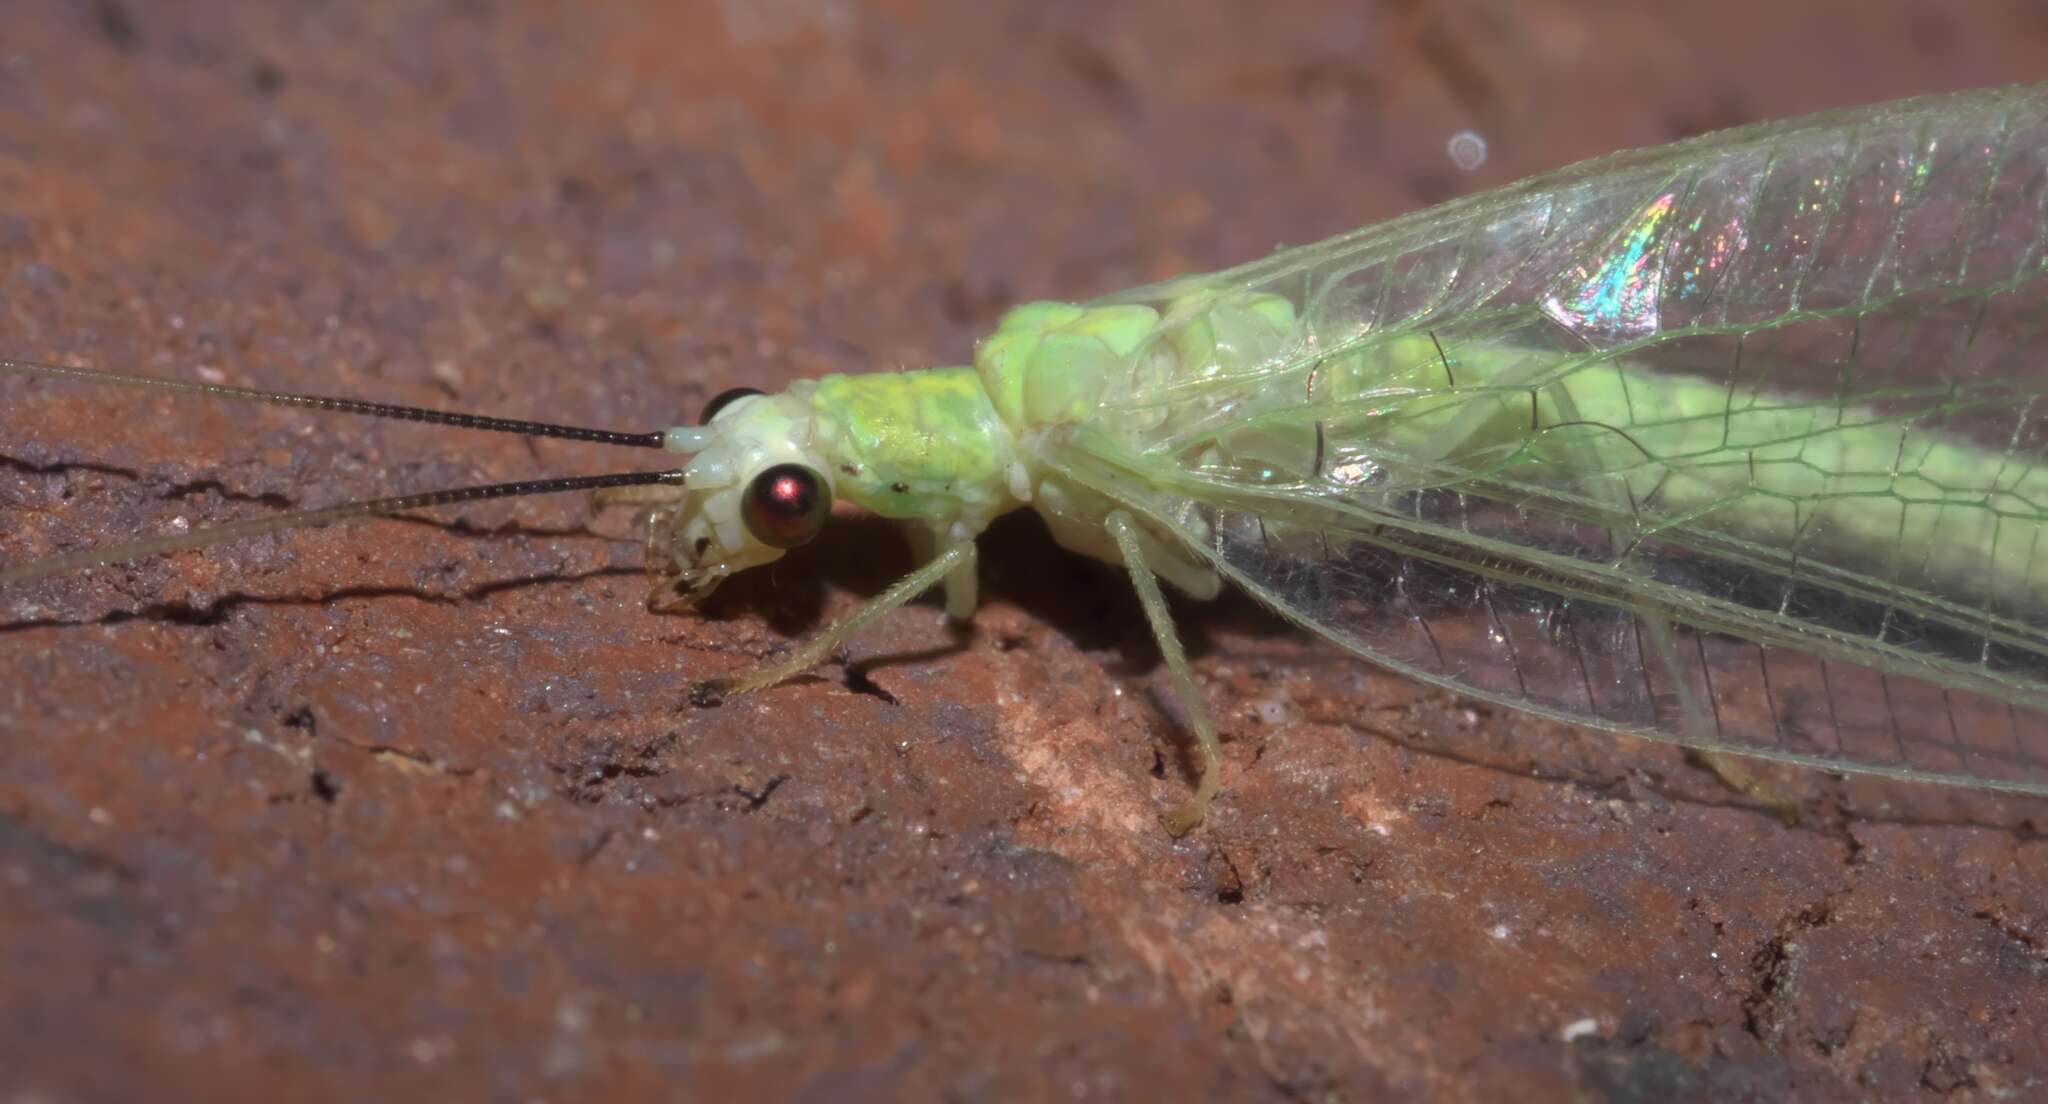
{"x":1735,"y":443}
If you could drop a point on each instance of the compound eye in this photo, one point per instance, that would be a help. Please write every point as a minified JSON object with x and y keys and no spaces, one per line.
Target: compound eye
{"x":786,"y":505}
{"x":724,"y":399}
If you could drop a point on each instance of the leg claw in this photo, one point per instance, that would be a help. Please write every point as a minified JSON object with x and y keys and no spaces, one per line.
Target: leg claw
{"x":710,"y":691}
{"x":1185,"y":817}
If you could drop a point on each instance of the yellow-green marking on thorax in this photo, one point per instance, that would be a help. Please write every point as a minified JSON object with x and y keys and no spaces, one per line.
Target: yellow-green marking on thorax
{"x":925,"y":444}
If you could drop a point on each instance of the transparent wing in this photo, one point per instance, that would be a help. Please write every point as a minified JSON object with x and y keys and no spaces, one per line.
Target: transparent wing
{"x":1737,"y":443}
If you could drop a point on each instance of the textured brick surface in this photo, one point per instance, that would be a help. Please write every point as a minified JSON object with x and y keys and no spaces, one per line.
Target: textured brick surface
{"x":416,"y":806}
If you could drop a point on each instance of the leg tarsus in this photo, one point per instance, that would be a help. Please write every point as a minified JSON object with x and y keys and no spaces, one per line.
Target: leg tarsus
{"x":710,"y":692}
{"x":963,"y":588}
{"x":1737,"y":774}
{"x":963,"y":583}
{"x":1187,"y":816}
{"x":666,"y":597}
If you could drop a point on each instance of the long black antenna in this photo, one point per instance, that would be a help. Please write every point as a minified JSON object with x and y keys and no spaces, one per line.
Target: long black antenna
{"x":654,"y":439}
{"x":326,"y":515}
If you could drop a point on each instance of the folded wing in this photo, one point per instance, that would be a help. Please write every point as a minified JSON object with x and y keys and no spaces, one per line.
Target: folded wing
{"x":1736,"y":443}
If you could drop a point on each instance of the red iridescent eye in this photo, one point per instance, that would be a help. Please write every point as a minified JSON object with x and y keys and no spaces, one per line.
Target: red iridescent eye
{"x":786,"y":505}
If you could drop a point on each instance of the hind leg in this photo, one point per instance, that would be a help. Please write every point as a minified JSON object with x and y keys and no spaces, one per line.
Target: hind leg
{"x":1702,"y":730}
{"x":1131,"y":542}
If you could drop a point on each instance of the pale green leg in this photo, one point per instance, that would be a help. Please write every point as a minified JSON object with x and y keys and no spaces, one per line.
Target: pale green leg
{"x":814,"y":650}
{"x":1698,"y":715}
{"x":657,"y":502}
{"x":963,"y":586}
{"x":1130,"y":541}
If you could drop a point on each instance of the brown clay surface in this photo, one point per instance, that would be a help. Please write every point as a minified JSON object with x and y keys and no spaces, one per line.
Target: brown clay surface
{"x":416,"y":808}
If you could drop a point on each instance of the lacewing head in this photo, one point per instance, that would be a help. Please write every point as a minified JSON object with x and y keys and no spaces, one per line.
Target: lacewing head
{"x":757,"y":488}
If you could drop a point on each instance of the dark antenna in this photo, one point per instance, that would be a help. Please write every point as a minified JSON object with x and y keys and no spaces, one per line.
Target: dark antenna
{"x":246,"y":528}
{"x":654,"y":439}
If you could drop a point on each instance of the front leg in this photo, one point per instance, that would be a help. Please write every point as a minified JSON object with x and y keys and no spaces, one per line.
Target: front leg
{"x":814,"y":650}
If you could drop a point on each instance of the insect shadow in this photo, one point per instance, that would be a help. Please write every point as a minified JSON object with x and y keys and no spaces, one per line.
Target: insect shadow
{"x":1082,"y":601}
{"x":1092,"y":606}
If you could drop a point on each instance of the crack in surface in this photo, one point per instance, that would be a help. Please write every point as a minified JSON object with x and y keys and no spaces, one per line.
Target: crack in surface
{"x":322,"y":784}
{"x":2013,"y":930}
{"x":166,"y":488}
{"x":1774,"y":973}
{"x":756,"y":799}
{"x":216,"y":611}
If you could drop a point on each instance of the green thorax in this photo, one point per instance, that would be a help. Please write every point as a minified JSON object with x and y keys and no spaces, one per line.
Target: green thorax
{"x":1050,"y":365}
{"x":923,"y":444}
{"x":946,"y":444}
{"x":1047,"y":364}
